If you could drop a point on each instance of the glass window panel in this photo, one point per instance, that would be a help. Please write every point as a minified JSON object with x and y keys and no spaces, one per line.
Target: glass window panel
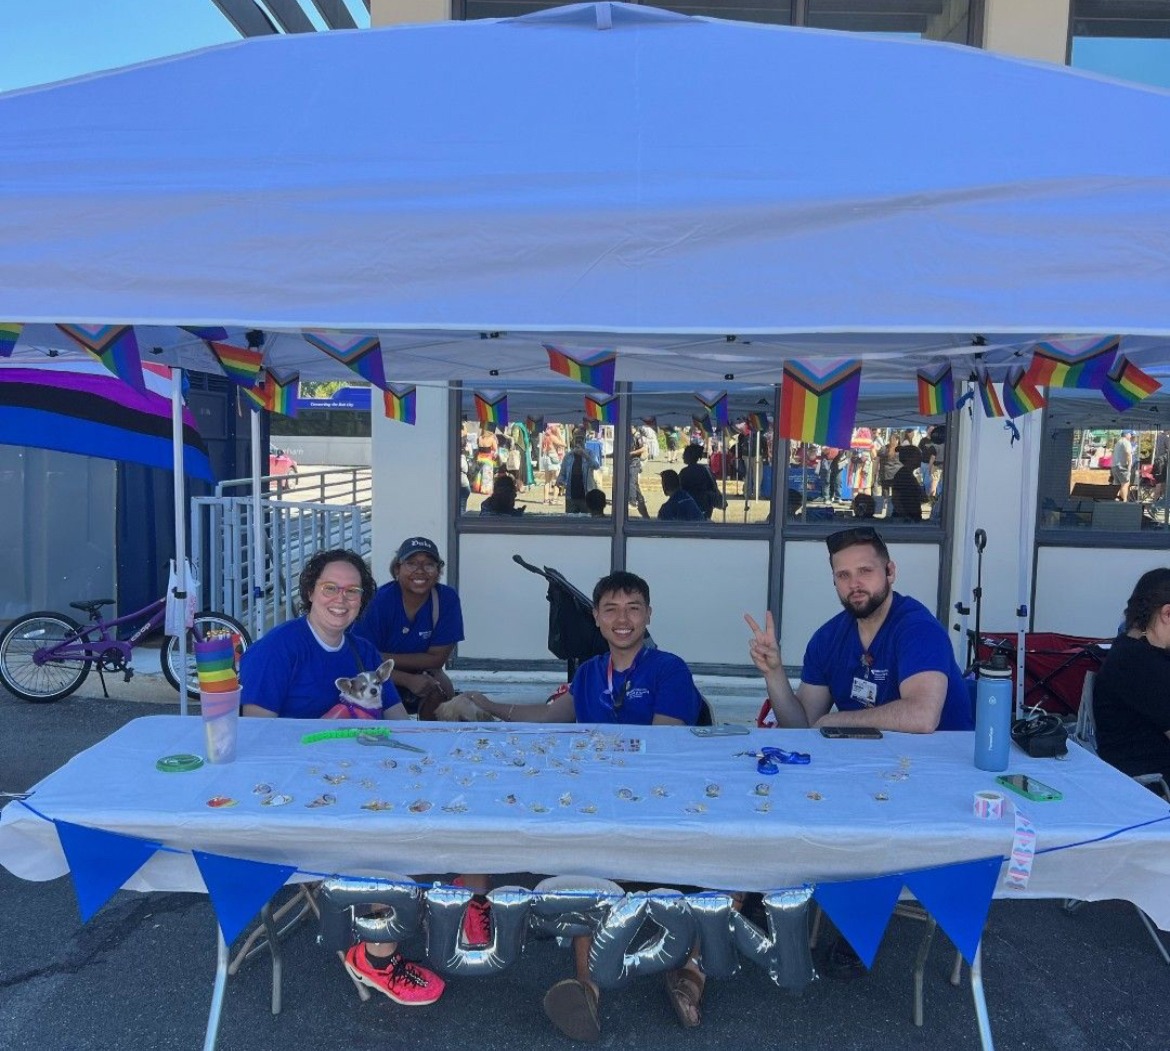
{"x":773,"y":12}
{"x":890,"y":471}
{"x":1102,"y":471}
{"x":1128,"y":39}
{"x":927,"y":19}
{"x":545,"y":462}
{"x":726,"y":471}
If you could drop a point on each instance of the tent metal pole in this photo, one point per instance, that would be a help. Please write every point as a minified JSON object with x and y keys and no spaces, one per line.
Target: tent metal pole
{"x":177,"y":452}
{"x":257,"y":534}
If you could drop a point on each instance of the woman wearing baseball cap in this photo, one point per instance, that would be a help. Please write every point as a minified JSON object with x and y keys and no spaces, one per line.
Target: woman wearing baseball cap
{"x":416,"y":621}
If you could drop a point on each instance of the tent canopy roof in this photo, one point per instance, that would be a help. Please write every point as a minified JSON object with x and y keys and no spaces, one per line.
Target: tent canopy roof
{"x":549,"y":178}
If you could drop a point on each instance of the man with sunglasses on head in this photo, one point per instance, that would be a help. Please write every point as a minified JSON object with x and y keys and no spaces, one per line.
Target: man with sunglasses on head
{"x":630,"y":684}
{"x":884,"y":662}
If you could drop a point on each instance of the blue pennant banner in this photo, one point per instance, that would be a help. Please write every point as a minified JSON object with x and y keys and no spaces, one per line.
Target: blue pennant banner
{"x":100,"y":862}
{"x":861,"y":909}
{"x":958,"y":896}
{"x":239,"y":888}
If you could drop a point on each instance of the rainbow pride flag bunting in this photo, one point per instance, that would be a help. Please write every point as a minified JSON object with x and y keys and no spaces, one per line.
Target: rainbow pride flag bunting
{"x":1020,"y":395}
{"x":363,"y":354}
{"x":9,"y":334}
{"x":274,"y":396}
{"x":491,"y":409}
{"x":400,"y":404}
{"x":936,"y":391}
{"x":716,"y":403}
{"x":818,"y":401}
{"x":992,"y":407}
{"x":758,"y":421}
{"x":704,"y":424}
{"x":1126,"y":384}
{"x":1084,"y":364}
{"x":597,"y":371}
{"x":115,"y":346}
{"x":601,"y":410}
{"x":240,"y":365}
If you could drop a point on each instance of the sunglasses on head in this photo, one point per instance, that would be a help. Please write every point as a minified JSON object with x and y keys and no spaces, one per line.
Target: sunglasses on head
{"x":848,"y":537}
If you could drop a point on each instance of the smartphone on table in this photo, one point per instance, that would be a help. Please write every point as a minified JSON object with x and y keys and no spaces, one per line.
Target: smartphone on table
{"x":860,"y":733}
{"x":1030,"y":788}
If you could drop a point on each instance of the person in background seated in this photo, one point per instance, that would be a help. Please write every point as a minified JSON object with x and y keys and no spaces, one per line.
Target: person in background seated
{"x":503,"y":498}
{"x":680,"y":506}
{"x":416,"y":621}
{"x":1131,"y":697}
{"x":629,"y":685}
{"x":864,"y":506}
{"x":596,"y":501}
{"x":291,"y":672}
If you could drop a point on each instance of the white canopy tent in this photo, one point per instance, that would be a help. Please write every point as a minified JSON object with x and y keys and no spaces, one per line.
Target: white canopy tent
{"x":601,"y":169}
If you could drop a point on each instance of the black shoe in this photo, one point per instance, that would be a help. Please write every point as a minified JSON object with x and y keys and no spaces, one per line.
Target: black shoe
{"x":843,"y":964}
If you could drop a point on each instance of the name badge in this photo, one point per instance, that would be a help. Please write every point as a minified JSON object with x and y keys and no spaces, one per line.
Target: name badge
{"x":864,"y":692}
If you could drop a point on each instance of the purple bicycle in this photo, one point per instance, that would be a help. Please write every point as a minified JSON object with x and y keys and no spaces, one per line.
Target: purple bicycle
{"x":46,"y":656}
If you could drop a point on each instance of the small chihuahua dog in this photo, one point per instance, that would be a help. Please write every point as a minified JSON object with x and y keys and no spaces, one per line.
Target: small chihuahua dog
{"x":361,"y":696}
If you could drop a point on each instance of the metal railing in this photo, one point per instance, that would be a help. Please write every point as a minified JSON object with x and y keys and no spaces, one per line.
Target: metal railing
{"x":330,"y":508}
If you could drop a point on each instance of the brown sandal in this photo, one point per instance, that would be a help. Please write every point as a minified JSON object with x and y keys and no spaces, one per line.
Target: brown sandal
{"x":685,"y":989}
{"x":572,"y":1007}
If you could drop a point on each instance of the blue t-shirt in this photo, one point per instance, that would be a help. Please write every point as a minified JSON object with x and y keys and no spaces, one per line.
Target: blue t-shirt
{"x":386,"y":625}
{"x":911,"y":640}
{"x":289,"y":672}
{"x":657,"y":683}
{"x":680,"y":506}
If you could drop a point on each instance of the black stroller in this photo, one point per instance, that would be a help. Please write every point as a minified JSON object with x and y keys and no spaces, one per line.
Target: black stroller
{"x":573,"y":635}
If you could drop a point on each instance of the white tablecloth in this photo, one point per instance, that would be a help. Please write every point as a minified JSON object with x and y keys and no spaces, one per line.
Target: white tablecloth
{"x":695,"y":816}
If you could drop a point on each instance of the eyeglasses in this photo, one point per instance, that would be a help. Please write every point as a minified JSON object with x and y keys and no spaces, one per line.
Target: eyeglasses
{"x":848,"y":537}
{"x":420,"y":564}
{"x":331,"y":591}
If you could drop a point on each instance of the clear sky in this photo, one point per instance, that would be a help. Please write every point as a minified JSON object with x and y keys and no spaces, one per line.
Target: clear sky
{"x":47,"y":40}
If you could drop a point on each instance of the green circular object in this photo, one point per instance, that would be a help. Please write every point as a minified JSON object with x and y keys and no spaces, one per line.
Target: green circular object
{"x":178,"y":764}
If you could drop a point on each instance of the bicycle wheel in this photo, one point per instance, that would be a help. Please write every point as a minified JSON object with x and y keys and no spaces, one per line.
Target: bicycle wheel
{"x":205,"y":622}
{"x":40,"y":681}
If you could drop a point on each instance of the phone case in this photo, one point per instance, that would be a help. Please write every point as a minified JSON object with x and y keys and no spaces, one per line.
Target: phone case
{"x":1037,"y":791}
{"x":722,"y":730}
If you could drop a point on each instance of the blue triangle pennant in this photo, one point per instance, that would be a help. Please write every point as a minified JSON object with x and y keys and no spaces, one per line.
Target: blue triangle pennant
{"x":958,"y":896}
{"x":238,"y":888}
{"x":100,"y":862}
{"x":861,"y":909}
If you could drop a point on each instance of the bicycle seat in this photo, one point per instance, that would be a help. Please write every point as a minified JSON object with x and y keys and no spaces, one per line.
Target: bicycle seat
{"x":93,"y":606}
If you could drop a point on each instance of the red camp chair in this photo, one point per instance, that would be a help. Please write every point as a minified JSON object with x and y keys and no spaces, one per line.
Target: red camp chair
{"x":1054,"y":665}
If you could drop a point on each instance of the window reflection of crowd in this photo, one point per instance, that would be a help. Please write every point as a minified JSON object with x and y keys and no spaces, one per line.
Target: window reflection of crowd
{"x":899,"y":471}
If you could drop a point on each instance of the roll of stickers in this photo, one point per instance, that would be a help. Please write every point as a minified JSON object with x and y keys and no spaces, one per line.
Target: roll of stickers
{"x":988,"y":805}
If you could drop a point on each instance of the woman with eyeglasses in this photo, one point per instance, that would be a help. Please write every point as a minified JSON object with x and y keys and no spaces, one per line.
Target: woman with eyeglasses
{"x":292,"y":670}
{"x":416,"y":621}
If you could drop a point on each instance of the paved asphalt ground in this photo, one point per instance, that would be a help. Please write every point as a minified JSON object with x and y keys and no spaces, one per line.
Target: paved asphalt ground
{"x":138,"y":975}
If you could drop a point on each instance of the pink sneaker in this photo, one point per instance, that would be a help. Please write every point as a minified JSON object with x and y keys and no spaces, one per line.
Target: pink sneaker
{"x":404,"y":982}
{"x":477,"y":923}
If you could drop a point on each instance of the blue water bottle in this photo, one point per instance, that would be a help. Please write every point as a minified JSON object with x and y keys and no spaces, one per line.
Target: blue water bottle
{"x":993,"y":714}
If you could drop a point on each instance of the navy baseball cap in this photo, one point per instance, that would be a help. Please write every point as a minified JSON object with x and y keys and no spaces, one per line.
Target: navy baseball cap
{"x":417,"y":545}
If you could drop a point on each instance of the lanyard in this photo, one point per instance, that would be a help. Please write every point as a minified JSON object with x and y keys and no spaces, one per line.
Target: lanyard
{"x":617,"y":701}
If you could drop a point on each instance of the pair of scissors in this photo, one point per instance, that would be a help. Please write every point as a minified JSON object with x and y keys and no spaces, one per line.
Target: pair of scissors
{"x":386,"y":741}
{"x":769,"y":760}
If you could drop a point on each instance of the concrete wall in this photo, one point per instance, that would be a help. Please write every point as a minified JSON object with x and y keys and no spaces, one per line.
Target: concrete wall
{"x":1028,"y":28}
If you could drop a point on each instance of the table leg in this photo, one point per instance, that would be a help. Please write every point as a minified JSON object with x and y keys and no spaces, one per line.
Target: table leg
{"x":985,"y":1041}
{"x":217,"y":991}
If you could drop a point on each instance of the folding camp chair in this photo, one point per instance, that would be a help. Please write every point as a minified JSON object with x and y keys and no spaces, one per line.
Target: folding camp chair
{"x":1054,"y":665}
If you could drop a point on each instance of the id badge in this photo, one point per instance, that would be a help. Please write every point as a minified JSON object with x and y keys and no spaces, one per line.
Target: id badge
{"x":864,"y":692}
